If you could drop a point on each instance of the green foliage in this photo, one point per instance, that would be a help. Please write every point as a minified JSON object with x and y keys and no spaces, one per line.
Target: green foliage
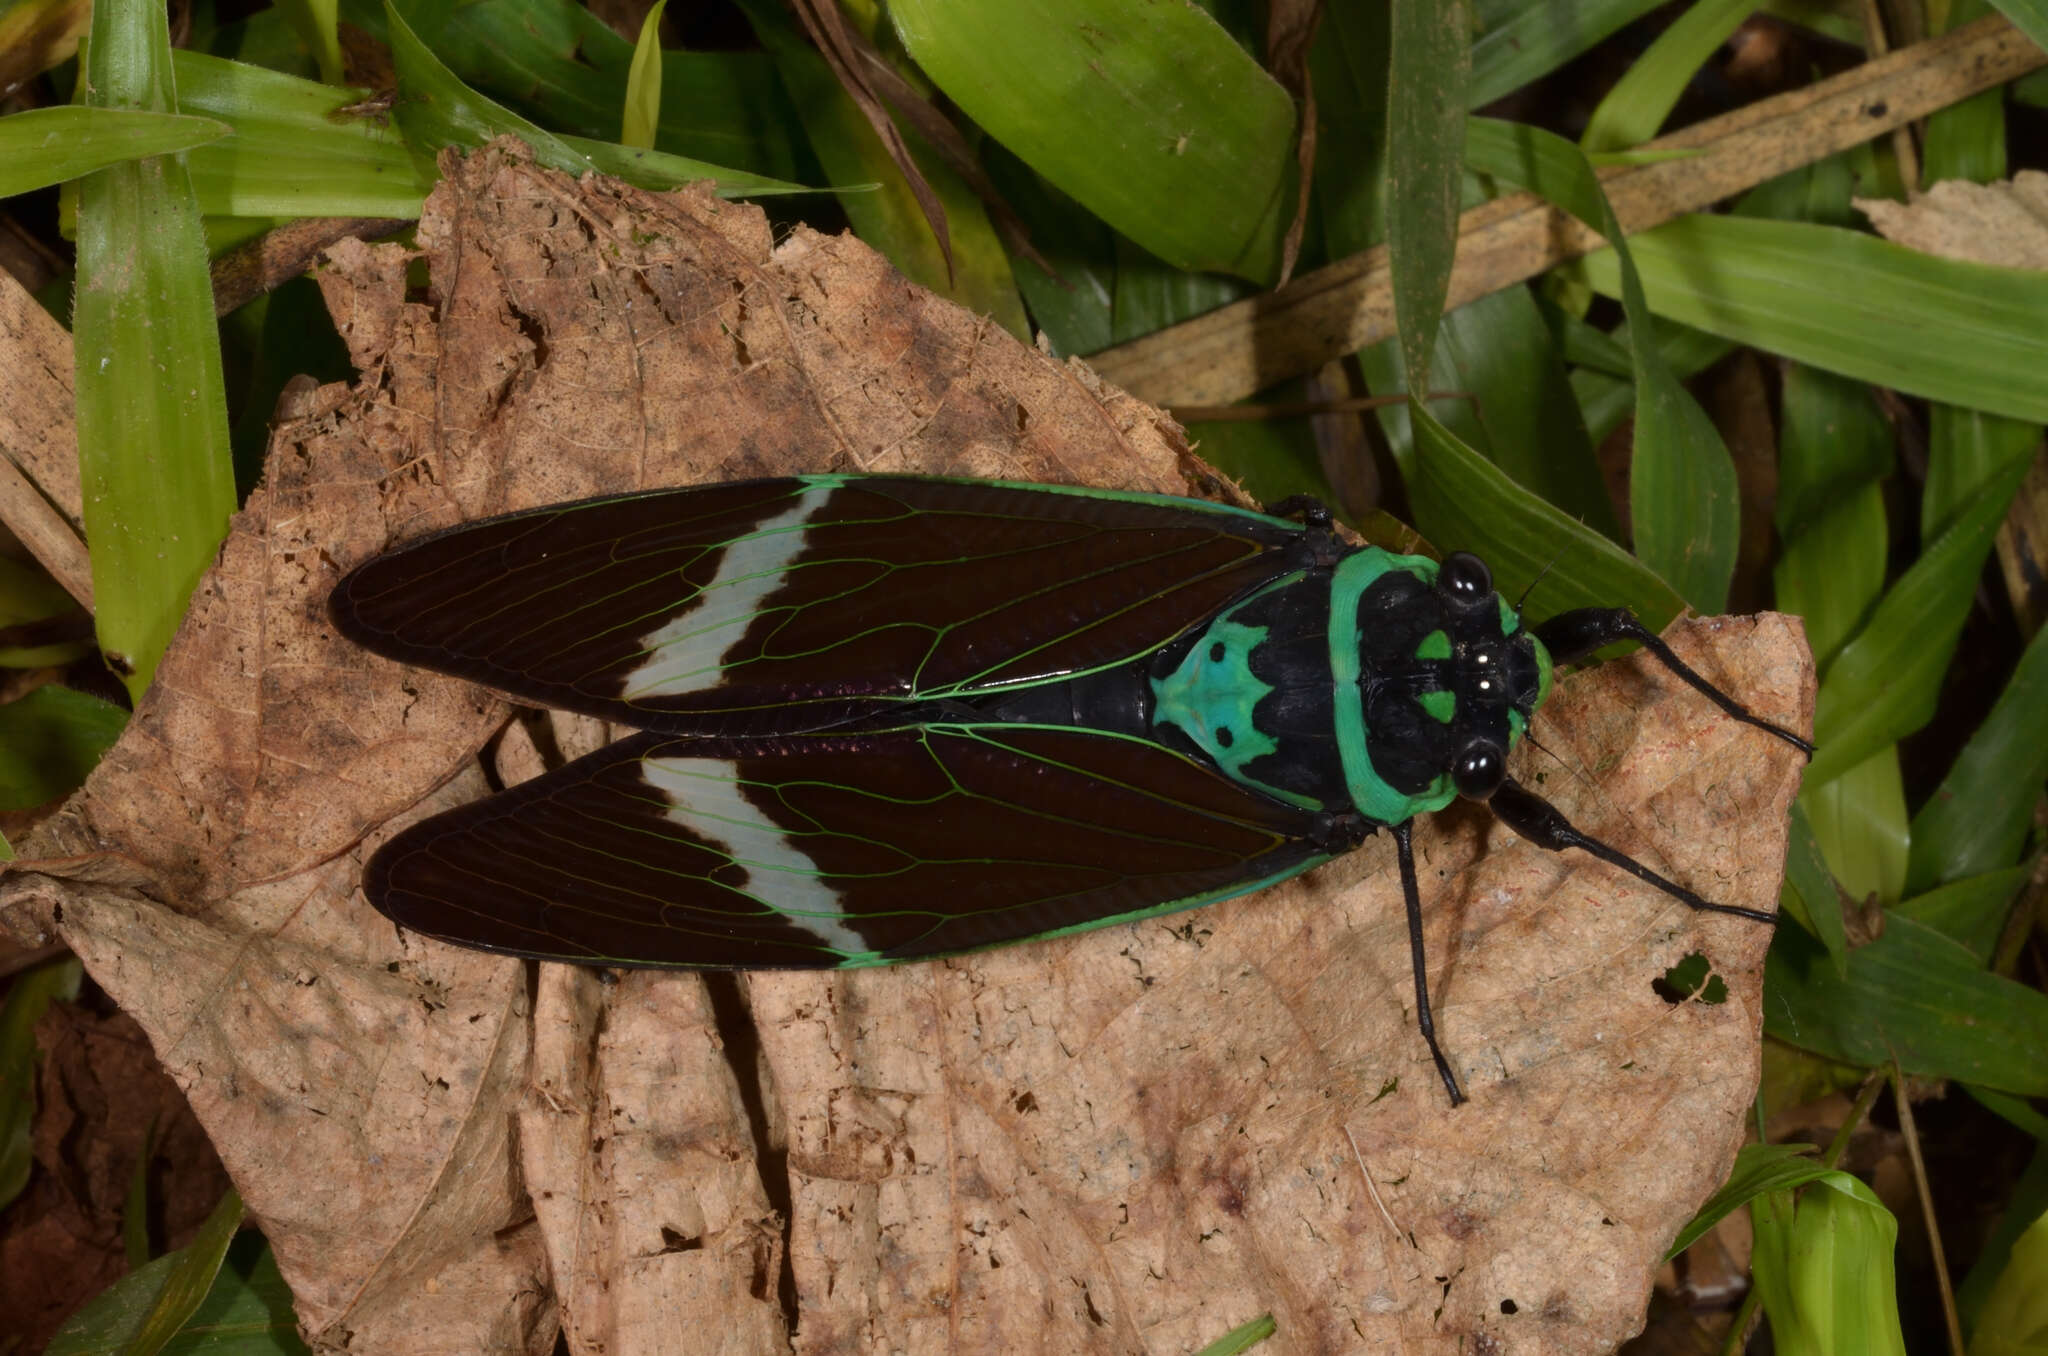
{"x":2014,"y":1320}
{"x":49,"y":741}
{"x":1151,"y":116}
{"x":219,"y":1294}
{"x":30,"y":994}
{"x":1823,"y":1263}
{"x":152,"y":411}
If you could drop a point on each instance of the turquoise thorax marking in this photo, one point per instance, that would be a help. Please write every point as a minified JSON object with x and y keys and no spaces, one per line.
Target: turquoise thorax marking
{"x":1212,"y":695}
{"x":1369,"y":791}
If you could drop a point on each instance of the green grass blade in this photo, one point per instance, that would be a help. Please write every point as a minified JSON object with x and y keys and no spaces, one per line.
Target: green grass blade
{"x":1915,"y":994}
{"x":659,"y":170}
{"x":1425,"y":133}
{"x":1810,"y":891}
{"x":1978,"y":819}
{"x":642,"y":117}
{"x":152,"y":420}
{"x":1969,"y":334}
{"x":1349,"y":64}
{"x":2014,"y":1111}
{"x":2027,"y":1203}
{"x":1758,"y":1168}
{"x":1835,"y":448}
{"x":891,"y":219}
{"x":1970,"y":911}
{"x":295,"y":151}
{"x":143,"y":1312}
{"x":1859,"y":820}
{"x":1151,"y":294}
{"x":135,"y":1205}
{"x":1149,"y":115}
{"x":1270,"y":458}
{"x":1637,"y":105}
{"x":1522,"y":417}
{"x":1966,"y":450}
{"x":49,"y":740}
{"x":1841,"y":1274}
{"x":2014,"y":1319}
{"x":27,"y":594}
{"x":1471,"y":505}
{"x":2029,"y":17}
{"x":1243,"y":1337}
{"x":557,"y":63}
{"x":1517,"y":41}
{"x":1966,"y":140}
{"x":1076,"y":309}
{"x":314,"y":21}
{"x":435,"y":109}
{"x":28,"y":997}
{"x":44,"y":146}
{"x":1605,"y":400}
{"x":1885,"y":682}
{"x":1683,"y":499}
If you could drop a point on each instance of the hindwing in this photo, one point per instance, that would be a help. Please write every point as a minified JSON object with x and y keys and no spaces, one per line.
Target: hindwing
{"x":823,"y":850}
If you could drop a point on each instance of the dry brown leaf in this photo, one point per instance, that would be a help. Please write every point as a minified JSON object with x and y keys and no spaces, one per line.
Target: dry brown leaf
{"x":2004,"y":223}
{"x":1129,"y":1140}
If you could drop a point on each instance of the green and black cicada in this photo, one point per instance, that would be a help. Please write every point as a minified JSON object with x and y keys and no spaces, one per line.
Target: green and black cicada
{"x":887,"y":718}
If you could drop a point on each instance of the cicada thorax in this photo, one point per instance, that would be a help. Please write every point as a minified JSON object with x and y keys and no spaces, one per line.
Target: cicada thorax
{"x":1363,"y":686}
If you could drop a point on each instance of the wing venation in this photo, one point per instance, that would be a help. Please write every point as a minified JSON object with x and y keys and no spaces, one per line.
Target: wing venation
{"x":785,"y":605}
{"x":832,"y":850}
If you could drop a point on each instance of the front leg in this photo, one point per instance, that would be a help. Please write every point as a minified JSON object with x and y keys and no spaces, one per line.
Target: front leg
{"x":1571,"y":636}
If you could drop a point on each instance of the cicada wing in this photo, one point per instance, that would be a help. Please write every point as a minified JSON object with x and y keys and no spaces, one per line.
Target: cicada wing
{"x":834,"y":850}
{"x":783,"y":605}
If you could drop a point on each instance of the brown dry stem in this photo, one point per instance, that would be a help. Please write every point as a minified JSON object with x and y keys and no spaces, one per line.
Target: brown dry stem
{"x":1233,"y":351}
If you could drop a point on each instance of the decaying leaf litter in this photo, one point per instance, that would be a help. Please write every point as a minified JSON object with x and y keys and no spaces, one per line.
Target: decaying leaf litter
{"x":1129,"y":1140}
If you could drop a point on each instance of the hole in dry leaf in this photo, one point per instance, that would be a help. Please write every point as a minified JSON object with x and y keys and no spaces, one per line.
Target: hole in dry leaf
{"x":1692,"y":977}
{"x":530,"y":326}
{"x":1507,"y":1306}
{"x":673,"y":1240}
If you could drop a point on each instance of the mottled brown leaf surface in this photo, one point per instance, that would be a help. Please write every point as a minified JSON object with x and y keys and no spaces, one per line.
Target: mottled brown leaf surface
{"x":1127,"y":1141}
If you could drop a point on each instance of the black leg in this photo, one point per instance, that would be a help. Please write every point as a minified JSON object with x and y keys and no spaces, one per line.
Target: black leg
{"x":1573,"y":635}
{"x":1411,"y":894}
{"x":1311,"y":511}
{"x":1539,"y":821}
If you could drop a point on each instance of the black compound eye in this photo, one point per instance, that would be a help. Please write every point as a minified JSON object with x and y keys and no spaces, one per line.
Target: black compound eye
{"x":1464,"y":579}
{"x":1480,"y":769}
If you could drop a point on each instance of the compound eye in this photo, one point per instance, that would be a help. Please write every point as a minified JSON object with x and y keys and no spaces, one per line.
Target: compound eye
{"x":1464,"y":579}
{"x":1480,"y":769}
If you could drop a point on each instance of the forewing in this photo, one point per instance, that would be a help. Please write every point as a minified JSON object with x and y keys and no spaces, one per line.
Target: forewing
{"x":833,"y":850}
{"x":784,"y":605}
